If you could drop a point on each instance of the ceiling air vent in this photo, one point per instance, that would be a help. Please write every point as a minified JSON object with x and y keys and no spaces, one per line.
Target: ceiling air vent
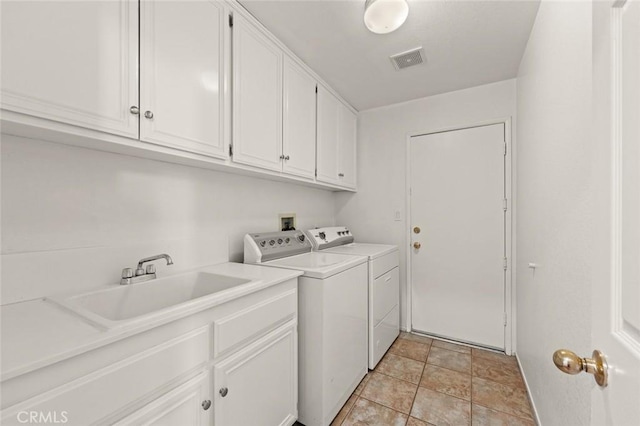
{"x":407,"y":59}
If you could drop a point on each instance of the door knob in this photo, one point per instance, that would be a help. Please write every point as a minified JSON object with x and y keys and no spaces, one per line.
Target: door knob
{"x":417,"y":245}
{"x":416,"y":230}
{"x":570,"y":363}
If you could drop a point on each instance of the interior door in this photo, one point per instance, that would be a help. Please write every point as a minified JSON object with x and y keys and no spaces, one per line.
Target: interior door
{"x":458,"y":230}
{"x":616,"y":288}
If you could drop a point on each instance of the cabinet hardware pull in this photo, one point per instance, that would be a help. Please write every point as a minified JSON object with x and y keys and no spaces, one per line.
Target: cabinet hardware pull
{"x":148,"y":114}
{"x":282,"y":157}
{"x":286,"y":158}
{"x":224,"y":392}
{"x":206,"y":404}
{"x":134,"y":110}
{"x":340,"y":174}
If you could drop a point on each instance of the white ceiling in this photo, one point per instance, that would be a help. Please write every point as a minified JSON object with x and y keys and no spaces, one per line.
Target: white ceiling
{"x":466,"y":44}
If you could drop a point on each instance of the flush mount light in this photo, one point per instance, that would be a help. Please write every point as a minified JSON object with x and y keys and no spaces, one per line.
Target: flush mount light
{"x":385,"y":16}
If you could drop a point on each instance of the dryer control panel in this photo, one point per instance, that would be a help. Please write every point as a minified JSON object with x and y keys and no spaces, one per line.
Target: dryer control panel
{"x":264,"y":246}
{"x":330,"y":236}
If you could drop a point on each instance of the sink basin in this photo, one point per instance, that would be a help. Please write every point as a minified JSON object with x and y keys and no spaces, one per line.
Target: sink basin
{"x":120,"y":304}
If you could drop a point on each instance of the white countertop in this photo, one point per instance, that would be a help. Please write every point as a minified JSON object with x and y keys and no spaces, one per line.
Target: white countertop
{"x":39,"y":333}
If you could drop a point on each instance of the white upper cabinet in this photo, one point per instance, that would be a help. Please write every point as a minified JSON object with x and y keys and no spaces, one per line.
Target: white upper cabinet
{"x":182,"y":78}
{"x":299,"y":124}
{"x":327,"y":149}
{"x":257,"y":97}
{"x":347,"y":124}
{"x":336,"y":155}
{"x":74,"y":62}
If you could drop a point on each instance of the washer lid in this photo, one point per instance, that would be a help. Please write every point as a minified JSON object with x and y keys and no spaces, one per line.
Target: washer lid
{"x":372,"y":251}
{"x":318,"y":264}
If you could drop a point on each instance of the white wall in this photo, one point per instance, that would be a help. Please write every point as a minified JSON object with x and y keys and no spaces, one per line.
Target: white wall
{"x":555,"y":216}
{"x":382,"y":139}
{"x":72,"y":218}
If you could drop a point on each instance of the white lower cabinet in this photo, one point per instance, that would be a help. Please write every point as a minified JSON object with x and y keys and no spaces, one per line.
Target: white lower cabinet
{"x":188,"y":404}
{"x":178,"y":376}
{"x":258,"y":385}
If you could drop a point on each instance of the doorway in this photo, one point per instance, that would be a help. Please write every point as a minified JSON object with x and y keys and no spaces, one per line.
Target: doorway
{"x":460,"y":235}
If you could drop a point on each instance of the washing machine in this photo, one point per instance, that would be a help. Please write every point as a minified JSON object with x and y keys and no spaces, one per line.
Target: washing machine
{"x":332,"y":319}
{"x":383,"y":280}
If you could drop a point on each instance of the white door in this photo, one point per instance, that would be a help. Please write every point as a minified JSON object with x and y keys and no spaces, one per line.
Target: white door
{"x":327,"y":157}
{"x":347,"y":123}
{"x":188,"y":404}
{"x":182,"y":64}
{"x":457,"y":256}
{"x":299,"y":122}
{"x":616,"y":288}
{"x":257,"y":97}
{"x":74,"y":62}
{"x":258,"y":386}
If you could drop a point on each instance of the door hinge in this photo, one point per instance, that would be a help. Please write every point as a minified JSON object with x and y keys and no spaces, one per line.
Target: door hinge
{"x":316,"y":172}
{"x":230,"y":150}
{"x":505,"y":148}
{"x":231,"y":20}
{"x":316,"y":88}
{"x":505,"y":319}
{"x":504,"y":204}
{"x":504,"y":263}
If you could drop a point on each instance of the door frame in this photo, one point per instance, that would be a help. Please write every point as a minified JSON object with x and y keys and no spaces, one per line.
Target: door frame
{"x":510,"y":291}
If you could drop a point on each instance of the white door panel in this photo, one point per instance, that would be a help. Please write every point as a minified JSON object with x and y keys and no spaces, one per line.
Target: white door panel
{"x":327,"y":156}
{"x":299,"y":132}
{"x":457,"y":192}
{"x":182,"y":75}
{"x":73,"y":62}
{"x":616,"y":288}
{"x":257,"y":98}
{"x":346,"y":146}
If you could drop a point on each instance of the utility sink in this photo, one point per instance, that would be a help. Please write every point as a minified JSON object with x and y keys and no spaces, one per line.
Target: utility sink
{"x":122,"y":304}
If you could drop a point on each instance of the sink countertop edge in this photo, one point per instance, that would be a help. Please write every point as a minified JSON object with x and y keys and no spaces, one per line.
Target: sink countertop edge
{"x":89,"y":337}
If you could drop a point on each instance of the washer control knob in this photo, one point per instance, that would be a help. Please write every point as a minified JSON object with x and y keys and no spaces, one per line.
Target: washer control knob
{"x":263,"y":243}
{"x":322,"y":235}
{"x":279,"y":240}
{"x":272,"y":242}
{"x":301,"y":238}
{"x":287,"y":240}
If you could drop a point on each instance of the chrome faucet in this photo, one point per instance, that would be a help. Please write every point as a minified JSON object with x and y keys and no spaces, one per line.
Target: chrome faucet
{"x":141,"y":275}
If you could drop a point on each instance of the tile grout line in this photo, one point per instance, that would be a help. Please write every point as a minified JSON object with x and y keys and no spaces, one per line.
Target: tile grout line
{"x":424,"y":366}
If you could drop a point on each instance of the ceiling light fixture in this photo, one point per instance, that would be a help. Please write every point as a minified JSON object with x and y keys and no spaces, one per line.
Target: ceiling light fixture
{"x":385,"y":16}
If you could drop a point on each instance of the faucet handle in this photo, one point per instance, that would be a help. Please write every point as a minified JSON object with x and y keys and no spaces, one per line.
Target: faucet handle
{"x":139,"y":271}
{"x":151,"y":269}
{"x":127,"y":273}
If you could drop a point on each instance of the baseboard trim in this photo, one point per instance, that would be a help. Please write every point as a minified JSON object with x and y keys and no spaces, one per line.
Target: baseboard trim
{"x":536,"y":417}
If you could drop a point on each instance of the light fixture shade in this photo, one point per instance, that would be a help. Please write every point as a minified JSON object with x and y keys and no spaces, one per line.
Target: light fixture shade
{"x":384,"y":16}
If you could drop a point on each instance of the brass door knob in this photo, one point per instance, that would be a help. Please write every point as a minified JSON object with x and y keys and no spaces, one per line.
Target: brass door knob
{"x":416,"y":230}
{"x":417,"y":245}
{"x":570,"y":363}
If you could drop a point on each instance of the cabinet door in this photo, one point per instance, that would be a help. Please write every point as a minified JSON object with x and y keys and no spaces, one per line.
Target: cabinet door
{"x":327,"y":155}
{"x":184,"y":405}
{"x":74,"y":62}
{"x":299,"y":123}
{"x":257,"y":97}
{"x":182,"y":75}
{"x":347,"y":122}
{"x":258,"y":385}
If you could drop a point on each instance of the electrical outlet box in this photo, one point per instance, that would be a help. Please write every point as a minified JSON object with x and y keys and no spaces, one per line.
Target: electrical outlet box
{"x":287,"y":221}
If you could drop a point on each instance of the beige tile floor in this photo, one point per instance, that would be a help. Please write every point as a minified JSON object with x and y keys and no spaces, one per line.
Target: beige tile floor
{"x":421,"y":382}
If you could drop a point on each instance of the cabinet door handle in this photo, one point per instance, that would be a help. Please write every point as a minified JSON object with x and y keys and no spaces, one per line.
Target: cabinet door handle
{"x":286,"y":158}
{"x":340,"y":174}
{"x":148,"y":115}
{"x":224,"y":392}
{"x":206,"y":404}
{"x":134,"y":110}
{"x":282,"y":157}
